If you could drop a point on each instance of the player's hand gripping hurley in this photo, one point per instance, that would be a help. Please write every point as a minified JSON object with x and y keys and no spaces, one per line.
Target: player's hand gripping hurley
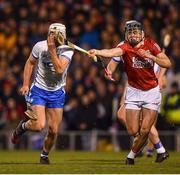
{"x":166,"y":41}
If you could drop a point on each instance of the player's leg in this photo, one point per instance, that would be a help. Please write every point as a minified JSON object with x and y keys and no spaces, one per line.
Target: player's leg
{"x":140,"y":153}
{"x":150,"y":145}
{"x":121,"y":114}
{"x":149,"y":117}
{"x":122,"y":118}
{"x":31,"y":125}
{"x":54,"y":118}
{"x":132,"y":124}
{"x":54,"y":113}
{"x":133,"y":110}
{"x":149,"y":148}
{"x":36,"y":98}
{"x":153,"y":134}
{"x":39,"y":124}
{"x":162,"y":154}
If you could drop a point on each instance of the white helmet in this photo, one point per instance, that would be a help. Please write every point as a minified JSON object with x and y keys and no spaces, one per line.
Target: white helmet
{"x":56,"y":28}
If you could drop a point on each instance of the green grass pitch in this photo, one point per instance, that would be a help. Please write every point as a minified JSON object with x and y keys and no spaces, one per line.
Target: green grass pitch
{"x":68,"y":162}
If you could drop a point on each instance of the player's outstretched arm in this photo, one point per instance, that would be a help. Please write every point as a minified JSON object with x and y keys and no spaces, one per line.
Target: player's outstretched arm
{"x":115,"y":52}
{"x":30,"y":63}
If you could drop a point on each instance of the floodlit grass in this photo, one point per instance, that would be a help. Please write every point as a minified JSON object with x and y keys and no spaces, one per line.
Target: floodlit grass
{"x":27,"y":162}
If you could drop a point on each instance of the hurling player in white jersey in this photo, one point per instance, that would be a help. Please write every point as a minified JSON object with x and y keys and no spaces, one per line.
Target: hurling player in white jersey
{"x":46,"y":95}
{"x":154,"y":139}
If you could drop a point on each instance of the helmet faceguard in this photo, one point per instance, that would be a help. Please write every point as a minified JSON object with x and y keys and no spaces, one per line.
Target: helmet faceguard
{"x":134,"y":33}
{"x":57,"y":29}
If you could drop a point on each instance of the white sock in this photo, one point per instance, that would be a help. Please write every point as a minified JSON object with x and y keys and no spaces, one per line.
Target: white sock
{"x":131,"y":155}
{"x":161,"y":150}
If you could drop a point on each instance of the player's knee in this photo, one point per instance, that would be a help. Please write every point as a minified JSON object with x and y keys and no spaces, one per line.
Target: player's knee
{"x":144,"y":131}
{"x":132,"y":131}
{"x":52,"y":131}
{"x":52,"y":134}
{"x":121,"y":117}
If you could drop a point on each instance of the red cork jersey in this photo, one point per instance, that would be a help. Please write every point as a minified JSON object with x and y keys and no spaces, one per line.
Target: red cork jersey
{"x":140,"y":71}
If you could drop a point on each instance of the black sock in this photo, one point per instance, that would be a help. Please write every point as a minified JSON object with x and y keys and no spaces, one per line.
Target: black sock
{"x":21,"y":129}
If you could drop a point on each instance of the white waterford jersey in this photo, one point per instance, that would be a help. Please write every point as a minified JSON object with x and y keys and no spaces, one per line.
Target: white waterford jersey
{"x":156,"y":68}
{"x":46,"y":76}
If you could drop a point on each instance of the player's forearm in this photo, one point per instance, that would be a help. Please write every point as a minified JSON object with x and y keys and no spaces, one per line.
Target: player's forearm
{"x":56,"y":63}
{"x":27,"y":73}
{"x":115,"y":52}
{"x":111,"y":67}
{"x":162,"y":72}
{"x":164,"y":63}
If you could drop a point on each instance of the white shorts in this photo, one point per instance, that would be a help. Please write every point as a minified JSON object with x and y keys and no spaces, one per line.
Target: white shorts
{"x":137,"y":99}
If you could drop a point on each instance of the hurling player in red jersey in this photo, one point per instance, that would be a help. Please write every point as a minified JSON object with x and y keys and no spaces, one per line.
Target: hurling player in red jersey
{"x":143,"y":94}
{"x":154,"y":141}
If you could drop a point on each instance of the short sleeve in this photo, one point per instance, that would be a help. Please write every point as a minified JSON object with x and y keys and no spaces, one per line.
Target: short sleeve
{"x":35,"y":51}
{"x":156,"y":68}
{"x":154,"y":47}
{"x":117,"y":59}
{"x":66,"y":52}
{"x":123,"y":46}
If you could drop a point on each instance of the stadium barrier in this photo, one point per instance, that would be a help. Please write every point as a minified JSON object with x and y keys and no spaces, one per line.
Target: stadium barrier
{"x":86,"y":140}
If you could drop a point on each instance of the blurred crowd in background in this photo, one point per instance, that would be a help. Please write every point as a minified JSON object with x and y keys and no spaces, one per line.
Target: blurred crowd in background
{"x":91,"y":100}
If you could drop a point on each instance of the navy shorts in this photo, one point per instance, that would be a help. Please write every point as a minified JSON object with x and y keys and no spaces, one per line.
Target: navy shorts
{"x":49,"y":99}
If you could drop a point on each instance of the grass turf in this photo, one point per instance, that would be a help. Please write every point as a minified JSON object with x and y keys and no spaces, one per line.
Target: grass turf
{"x":27,"y":162}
